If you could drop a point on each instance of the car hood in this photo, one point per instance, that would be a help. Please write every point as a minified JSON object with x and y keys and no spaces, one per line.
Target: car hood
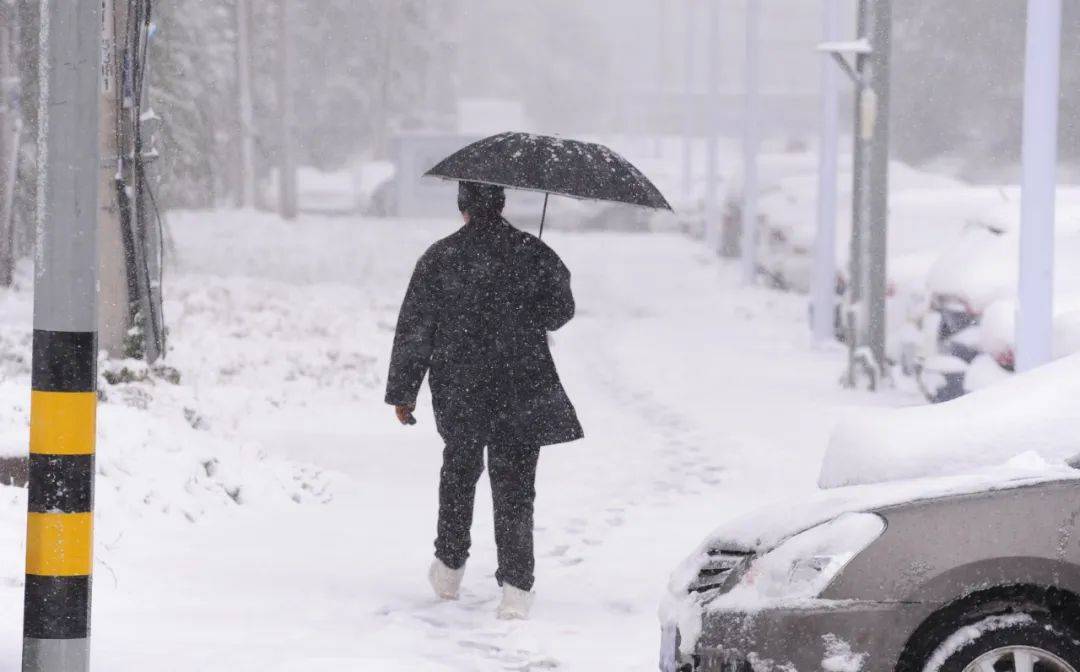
{"x":768,"y":527}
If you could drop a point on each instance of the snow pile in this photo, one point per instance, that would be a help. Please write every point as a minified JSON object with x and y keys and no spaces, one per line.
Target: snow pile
{"x":158,"y":454}
{"x":1033,"y":414}
{"x":167,"y":437}
{"x":839,"y":656}
{"x":15,"y":347}
{"x":982,"y":266}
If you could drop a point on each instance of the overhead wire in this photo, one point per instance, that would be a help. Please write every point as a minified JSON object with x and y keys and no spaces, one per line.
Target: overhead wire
{"x":131,"y":64}
{"x":143,"y":47}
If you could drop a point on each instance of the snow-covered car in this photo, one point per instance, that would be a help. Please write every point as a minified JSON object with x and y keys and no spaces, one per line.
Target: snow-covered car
{"x":789,"y":220}
{"x":947,"y":543}
{"x":969,"y":326}
{"x":927,"y":212}
{"x":774,"y":169}
{"x":327,"y":192}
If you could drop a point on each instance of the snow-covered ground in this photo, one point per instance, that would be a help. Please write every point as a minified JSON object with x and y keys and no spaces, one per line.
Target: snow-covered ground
{"x":268,"y":512}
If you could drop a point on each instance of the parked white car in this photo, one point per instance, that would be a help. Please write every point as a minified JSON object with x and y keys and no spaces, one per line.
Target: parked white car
{"x":927,"y":213}
{"x":970,"y":324}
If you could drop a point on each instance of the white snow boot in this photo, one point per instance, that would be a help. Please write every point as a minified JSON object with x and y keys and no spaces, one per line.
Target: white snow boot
{"x":445,"y":581}
{"x":515,"y":603}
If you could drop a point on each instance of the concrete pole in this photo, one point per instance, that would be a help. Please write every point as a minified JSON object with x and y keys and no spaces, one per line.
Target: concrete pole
{"x":246,"y":104}
{"x":63,"y":406}
{"x":875,"y":119}
{"x":114,"y":314}
{"x":869,"y":249}
{"x":1035,"y":310}
{"x":712,"y":132}
{"x":287,"y":187}
{"x":853,"y":305}
{"x":689,"y":55}
{"x":823,"y":282}
{"x":751,"y":141}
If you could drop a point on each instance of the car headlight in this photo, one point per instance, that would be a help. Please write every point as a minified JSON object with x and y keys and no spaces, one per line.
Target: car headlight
{"x":720,"y":568}
{"x":804,"y":565}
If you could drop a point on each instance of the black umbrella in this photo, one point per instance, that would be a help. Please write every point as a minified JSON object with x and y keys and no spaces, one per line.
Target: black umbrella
{"x":553,"y":166}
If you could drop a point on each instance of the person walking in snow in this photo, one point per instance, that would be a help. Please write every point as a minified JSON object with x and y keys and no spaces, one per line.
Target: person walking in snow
{"x":475,"y":320}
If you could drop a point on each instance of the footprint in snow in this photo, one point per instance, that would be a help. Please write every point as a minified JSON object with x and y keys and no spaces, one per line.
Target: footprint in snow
{"x":481,"y":646}
{"x":558,"y":551}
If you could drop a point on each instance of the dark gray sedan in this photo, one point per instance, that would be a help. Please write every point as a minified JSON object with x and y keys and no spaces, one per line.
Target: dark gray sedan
{"x":985,"y":581}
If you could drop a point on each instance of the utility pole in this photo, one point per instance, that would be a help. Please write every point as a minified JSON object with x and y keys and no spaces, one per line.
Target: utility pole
{"x":854,"y":304}
{"x":874,"y":117}
{"x":712,"y":132}
{"x":1035,"y":310}
{"x":114,"y":316}
{"x":246,"y":105}
{"x":869,"y":254}
{"x":689,"y":55}
{"x":751,"y":114}
{"x":147,"y":315}
{"x":59,"y":529}
{"x":287,"y":187}
{"x":823,"y":286}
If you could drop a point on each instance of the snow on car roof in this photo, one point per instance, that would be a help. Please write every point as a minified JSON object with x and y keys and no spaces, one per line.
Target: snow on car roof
{"x":1020,"y":432}
{"x":981,"y":267}
{"x":1034,"y":413}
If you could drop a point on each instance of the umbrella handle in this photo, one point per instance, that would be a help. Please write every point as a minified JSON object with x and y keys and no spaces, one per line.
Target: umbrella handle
{"x":543,"y":216}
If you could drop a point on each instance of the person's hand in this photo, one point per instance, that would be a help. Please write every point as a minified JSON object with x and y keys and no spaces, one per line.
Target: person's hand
{"x":405,"y":414}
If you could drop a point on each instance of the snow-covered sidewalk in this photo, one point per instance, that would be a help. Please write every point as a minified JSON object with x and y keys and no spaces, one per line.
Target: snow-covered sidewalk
{"x":700,"y":400}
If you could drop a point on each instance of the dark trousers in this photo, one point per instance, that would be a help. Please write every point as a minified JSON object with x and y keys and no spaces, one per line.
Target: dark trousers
{"x":512,"y":470}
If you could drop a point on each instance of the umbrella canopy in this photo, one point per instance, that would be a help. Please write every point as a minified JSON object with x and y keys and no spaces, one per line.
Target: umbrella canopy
{"x":554,"y":166}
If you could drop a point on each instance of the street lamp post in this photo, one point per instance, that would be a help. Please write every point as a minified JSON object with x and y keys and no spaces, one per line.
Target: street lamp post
{"x":865,"y":310}
{"x":712,"y":131}
{"x":1035,"y":308}
{"x":823,"y":289}
{"x":751,"y":129}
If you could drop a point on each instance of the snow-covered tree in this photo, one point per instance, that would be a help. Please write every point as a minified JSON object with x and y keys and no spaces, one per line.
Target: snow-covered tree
{"x":362,"y":69}
{"x":192,"y":82}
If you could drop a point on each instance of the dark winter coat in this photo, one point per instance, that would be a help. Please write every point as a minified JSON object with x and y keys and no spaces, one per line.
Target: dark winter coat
{"x":476,"y":317}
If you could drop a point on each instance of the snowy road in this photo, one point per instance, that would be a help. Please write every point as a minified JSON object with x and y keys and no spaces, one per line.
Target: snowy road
{"x":699,"y":399}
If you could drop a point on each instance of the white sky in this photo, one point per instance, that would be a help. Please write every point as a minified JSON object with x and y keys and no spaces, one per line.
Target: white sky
{"x":613,"y":53}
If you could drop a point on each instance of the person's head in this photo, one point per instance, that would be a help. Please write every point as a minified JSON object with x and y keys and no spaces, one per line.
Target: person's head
{"x":480,"y":201}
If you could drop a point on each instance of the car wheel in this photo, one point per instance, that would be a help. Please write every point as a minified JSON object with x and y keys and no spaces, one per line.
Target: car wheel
{"x":1008,"y":643}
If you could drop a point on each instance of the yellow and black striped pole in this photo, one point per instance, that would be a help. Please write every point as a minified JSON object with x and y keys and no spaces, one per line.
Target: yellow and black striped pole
{"x":59,"y":527}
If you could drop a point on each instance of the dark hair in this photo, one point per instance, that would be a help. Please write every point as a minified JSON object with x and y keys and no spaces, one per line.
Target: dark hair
{"x":480,"y":200}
